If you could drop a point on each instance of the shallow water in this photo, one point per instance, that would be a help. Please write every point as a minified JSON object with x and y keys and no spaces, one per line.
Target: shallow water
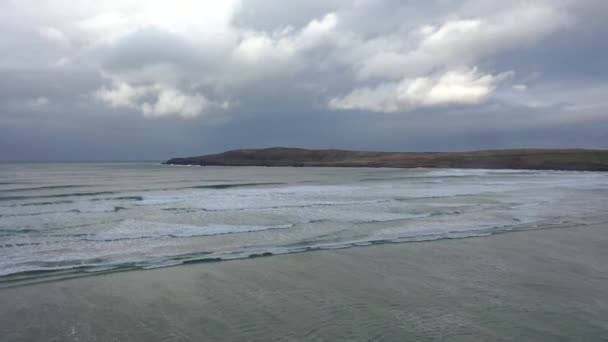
{"x":109,"y":216}
{"x":543,"y":285}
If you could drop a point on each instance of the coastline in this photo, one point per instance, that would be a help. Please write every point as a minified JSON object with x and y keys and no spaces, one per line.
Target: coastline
{"x":533,"y":285}
{"x":517,"y":159}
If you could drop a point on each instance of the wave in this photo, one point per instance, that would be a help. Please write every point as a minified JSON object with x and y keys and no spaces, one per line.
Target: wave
{"x":99,"y":210}
{"x":21,"y":231}
{"x":478,"y":172}
{"x":47,"y":203}
{"x":50,"y":187}
{"x":31,"y":204}
{"x":414,"y":178}
{"x":121,"y":198}
{"x":47,"y":230}
{"x":342,"y":214}
{"x":79,"y":211}
{"x":44,"y":203}
{"x":286,"y":206}
{"x":132,"y":229}
{"x":132,"y":198}
{"x":75,"y":194}
{"x":183,"y":210}
{"x":309,"y":205}
{"x":14,"y":183}
{"x":30,"y":271}
{"x":413,"y":198}
{"x":221,"y":186}
{"x":30,"y":214}
{"x":227,"y":186}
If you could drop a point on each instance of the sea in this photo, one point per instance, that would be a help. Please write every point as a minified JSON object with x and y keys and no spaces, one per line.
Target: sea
{"x":86,"y":218}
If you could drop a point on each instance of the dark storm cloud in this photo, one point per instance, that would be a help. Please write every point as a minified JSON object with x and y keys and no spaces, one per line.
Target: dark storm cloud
{"x":144,"y":80}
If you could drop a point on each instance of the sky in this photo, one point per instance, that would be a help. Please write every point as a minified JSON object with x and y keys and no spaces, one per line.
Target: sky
{"x":150,"y":80}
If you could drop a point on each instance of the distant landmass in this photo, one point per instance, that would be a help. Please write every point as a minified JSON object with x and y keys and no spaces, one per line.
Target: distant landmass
{"x":538,"y":159}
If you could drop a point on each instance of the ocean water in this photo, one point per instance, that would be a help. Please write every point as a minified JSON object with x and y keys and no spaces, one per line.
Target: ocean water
{"x":98,"y":217}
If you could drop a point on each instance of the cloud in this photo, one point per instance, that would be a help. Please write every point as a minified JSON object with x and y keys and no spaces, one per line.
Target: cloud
{"x":194,"y":54}
{"x":39,"y":102}
{"x":54,"y":35}
{"x":261,"y":47}
{"x":464,"y":87}
{"x":121,"y":94}
{"x":156,"y":100}
{"x":520,"y":87}
{"x":173,"y":102}
{"x":408,"y":72}
{"x":463,"y":42}
{"x":259,"y":72}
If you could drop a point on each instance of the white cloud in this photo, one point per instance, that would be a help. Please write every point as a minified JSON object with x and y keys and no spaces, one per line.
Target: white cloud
{"x":316,"y":32}
{"x":171,"y":102}
{"x":258,"y":47}
{"x":62,"y":62}
{"x":520,"y":87}
{"x":407,"y":72}
{"x":54,"y":35}
{"x":94,"y":22}
{"x":464,"y":87}
{"x":103,"y":27}
{"x":463,"y":42}
{"x":262,"y":47}
{"x":438,"y":37}
{"x":418,"y":56}
{"x":156,"y":100}
{"x":38,"y":102}
{"x":121,"y":94}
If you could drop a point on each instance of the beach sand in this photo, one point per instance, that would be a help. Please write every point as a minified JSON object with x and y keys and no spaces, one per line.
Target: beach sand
{"x":543,"y":285}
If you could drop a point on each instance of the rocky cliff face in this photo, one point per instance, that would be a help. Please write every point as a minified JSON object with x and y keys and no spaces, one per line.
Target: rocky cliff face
{"x":542,"y":159}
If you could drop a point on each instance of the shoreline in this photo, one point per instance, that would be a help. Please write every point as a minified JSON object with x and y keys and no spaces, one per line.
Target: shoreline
{"x":544,"y":284}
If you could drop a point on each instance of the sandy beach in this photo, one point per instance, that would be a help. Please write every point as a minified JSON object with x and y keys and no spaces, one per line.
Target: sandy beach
{"x":543,"y":285}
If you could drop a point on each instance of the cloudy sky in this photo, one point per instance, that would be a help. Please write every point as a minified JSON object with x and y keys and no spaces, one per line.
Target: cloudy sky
{"x":126,"y":79}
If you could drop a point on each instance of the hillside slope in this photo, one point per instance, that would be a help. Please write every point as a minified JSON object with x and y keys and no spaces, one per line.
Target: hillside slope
{"x":542,"y":159}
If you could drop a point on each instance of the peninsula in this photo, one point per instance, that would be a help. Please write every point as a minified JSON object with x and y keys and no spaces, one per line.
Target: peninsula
{"x":538,"y":159}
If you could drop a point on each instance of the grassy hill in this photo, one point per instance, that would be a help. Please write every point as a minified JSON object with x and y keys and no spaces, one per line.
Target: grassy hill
{"x":542,"y":159}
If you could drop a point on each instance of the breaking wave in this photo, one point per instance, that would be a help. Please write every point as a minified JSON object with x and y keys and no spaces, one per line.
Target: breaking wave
{"x":126,"y":222}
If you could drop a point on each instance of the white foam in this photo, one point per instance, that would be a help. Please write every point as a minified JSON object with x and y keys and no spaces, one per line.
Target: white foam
{"x":89,"y":235}
{"x":478,"y":172}
{"x":135,"y":229}
{"x":101,"y":269}
{"x":93,"y":210}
